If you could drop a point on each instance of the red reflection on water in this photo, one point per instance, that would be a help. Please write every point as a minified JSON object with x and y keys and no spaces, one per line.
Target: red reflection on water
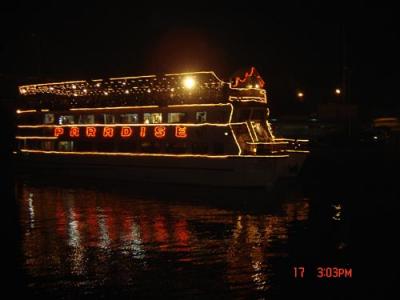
{"x":181,"y":232}
{"x":92,"y":224}
{"x":127,"y":226}
{"x":144,"y":229}
{"x":61,"y":225}
{"x":160,"y":230}
{"x":110,"y":223}
{"x":78,"y":228}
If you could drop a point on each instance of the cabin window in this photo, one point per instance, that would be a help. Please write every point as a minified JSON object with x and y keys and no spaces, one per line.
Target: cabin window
{"x":109,"y":119}
{"x":66,"y":146}
{"x":150,"y":147}
{"x":34,"y":144}
{"x":178,"y":117}
{"x":22,"y":144}
{"x":177,"y":147}
{"x":260,"y":130}
{"x":152,"y":118}
{"x":66,"y":120}
{"x":86,"y":119}
{"x":48,"y":118}
{"x":48,"y":145}
{"x":105,"y":146}
{"x":244,"y":115}
{"x":145,"y":145}
{"x":201,"y":116}
{"x":259,"y":114}
{"x":27,"y":119}
{"x":83,"y":145}
{"x":199,"y":148}
{"x":129,"y":118}
{"x":127,"y":146}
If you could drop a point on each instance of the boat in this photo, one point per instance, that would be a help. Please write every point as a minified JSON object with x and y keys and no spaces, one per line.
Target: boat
{"x":182,"y":128}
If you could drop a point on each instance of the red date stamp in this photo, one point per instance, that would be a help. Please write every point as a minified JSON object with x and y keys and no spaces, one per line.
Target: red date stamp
{"x":324,"y":272}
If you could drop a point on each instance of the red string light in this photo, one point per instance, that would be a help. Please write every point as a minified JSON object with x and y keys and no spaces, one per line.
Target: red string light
{"x":238,"y":80}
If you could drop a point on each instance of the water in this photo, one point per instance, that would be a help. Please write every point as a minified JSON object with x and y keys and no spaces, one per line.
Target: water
{"x":113,"y":242}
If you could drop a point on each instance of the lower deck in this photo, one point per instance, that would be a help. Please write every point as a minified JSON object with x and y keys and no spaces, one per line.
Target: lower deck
{"x":238,"y":171}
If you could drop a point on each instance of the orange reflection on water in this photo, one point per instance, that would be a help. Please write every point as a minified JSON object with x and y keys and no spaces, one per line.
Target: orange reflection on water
{"x":160,"y":230}
{"x":84,"y":232}
{"x":181,"y":232}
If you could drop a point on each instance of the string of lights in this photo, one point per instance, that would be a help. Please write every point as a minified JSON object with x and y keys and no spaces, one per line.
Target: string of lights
{"x":169,"y":89}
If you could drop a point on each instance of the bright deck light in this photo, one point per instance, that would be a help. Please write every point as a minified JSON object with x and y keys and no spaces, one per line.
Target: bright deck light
{"x":189,"y":82}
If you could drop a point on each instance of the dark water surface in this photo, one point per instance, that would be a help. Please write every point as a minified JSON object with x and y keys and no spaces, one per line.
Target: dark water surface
{"x":181,"y":242}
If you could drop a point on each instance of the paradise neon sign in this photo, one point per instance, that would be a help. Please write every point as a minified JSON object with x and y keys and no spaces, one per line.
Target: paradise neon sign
{"x":124,"y":132}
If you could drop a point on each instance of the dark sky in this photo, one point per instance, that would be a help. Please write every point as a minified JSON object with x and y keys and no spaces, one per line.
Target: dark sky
{"x":293,"y":45}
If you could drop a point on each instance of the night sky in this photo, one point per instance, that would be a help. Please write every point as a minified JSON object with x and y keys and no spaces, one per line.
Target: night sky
{"x":293,"y":45}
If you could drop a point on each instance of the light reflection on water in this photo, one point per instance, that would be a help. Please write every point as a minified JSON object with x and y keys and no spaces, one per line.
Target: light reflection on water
{"x":90,"y":241}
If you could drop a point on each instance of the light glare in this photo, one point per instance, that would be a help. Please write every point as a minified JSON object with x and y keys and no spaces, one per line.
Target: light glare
{"x":189,"y":82}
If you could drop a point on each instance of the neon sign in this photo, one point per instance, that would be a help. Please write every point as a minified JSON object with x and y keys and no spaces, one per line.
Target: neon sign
{"x":180,"y":132}
{"x":74,"y":132}
{"x":108,"y":132}
{"x":143,"y":131}
{"x":125,"y":132}
{"x":58,"y":131}
{"x":91,"y":131}
{"x":159,"y":131}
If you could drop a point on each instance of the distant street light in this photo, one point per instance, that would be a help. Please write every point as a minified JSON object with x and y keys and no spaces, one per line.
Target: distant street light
{"x":338,"y":91}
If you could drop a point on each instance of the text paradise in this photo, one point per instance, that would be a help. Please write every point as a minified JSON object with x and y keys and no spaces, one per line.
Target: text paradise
{"x":123,"y":132}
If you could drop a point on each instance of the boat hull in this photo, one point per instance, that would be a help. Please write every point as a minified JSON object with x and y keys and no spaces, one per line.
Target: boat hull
{"x":226,"y":171}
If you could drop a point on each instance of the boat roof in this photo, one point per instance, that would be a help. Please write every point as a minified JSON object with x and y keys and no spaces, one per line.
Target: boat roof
{"x":201,"y":85}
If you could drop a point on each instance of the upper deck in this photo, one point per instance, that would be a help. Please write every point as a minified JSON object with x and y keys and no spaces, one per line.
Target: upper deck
{"x":185,"y":113}
{"x":162,"y":90}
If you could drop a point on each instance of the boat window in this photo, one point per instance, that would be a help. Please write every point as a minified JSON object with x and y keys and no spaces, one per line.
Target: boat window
{"x":150,"y":147}
{"x":83,"y":145}
{"x":34,"y":144}
{"x":199,"y":148}
{"x":86,"y":119}
{"x":127,"y":146}
{"x":260,"y":130}
{"x":201,"y":116}
{"x":48,"y":145}
{"x":28,"y":119}
{"x":105,"y":146}
{"x":66,"y":120}
{"x":129,"y":118}
{"x":152,"y":118}
{"x":66,"y":146}
{"x":177,"y":147}
{"x":259,"y":114}
{"x":178,"y":117}
{"x":244,"y":114}
{"x":109,"y":119}
{"x":48,"y":118}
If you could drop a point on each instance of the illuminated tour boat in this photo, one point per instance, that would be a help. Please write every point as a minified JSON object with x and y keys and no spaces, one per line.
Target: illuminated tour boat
{"x":185,"y":128}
